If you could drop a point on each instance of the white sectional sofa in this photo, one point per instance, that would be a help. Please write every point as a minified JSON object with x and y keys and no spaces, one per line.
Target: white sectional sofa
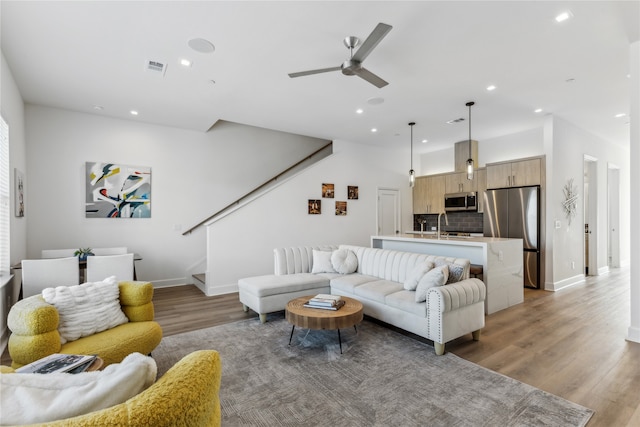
{"x":449,"y":311}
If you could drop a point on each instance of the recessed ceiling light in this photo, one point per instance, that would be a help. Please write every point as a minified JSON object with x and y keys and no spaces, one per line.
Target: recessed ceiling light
{"x":374,"y":130}
{"x":424,"y":141}
{"x":201,"y":45}
{"x":375,"y":101}
{"x":564,"y":16}
{"x":98,"y":107}
{"x":359,"y":111}
{"x":185,"y":63}
{"x":570,"y":80}
{"x":491,"y":87}
{"x":620,"y":115}
{"x":538,"y":110}
{"x":133,"y":112}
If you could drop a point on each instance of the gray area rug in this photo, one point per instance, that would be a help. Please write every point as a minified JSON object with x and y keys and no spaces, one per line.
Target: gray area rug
{"x":383,"y":378}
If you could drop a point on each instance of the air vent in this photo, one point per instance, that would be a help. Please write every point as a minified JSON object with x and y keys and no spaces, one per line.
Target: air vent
{"x":455,"y":121}
{"x":155,"y":67}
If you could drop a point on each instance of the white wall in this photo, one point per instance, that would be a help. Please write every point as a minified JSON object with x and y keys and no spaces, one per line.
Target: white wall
{"x":570,"y":144}
{"x":12,"y":109}
{"x":241,"y":245}
{"x":193,"y":175}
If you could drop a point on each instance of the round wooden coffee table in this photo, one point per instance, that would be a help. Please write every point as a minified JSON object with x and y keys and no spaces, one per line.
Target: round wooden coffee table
{"x":350,"y":314}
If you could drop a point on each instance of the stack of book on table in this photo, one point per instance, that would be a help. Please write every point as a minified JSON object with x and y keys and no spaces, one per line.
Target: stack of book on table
{"x":325,"y":301}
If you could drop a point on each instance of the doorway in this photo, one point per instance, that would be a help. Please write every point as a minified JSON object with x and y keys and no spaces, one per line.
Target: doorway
{"x":388,"y":216}
{"x":613,"y":216}
{"x":590,"y":216}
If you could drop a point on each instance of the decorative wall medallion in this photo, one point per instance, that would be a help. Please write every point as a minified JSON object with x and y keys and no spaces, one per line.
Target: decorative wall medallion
{"x":570,"y":203}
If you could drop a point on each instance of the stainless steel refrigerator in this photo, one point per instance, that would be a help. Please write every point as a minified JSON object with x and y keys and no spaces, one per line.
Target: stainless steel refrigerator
{"x":515,"y":213}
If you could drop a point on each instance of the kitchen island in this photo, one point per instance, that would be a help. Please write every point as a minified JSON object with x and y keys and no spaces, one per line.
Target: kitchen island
{"x":501,"y":260}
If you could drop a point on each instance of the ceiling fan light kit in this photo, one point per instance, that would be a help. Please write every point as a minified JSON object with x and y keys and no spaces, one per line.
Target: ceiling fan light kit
{"x":353,"y":65}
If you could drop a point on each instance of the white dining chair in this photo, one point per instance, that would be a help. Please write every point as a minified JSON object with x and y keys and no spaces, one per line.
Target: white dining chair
{"x":38,"y":274}
{"x":110,"y":251}
{"x":57,"y":253}
{"x":100,"y":267}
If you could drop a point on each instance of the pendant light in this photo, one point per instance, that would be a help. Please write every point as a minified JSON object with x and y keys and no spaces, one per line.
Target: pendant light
{"x":470,"y":160}
{"x":412,"y":174}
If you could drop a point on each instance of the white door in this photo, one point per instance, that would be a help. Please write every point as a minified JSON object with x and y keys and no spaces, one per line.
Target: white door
{"x":388,"y":211}
{"x":591,"y":215}
{"x":613,"y":205}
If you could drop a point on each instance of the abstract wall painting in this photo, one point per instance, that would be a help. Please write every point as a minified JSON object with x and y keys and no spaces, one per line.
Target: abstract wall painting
{"x":117,"y":191}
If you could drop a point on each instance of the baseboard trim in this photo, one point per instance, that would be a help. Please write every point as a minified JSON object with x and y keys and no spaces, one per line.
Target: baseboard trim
{"x":221,"y":289}
{"x":563,"y":284}
{"x":633,"y":334}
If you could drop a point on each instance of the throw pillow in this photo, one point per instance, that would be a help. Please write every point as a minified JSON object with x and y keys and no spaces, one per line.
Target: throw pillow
{"x":322,"y":262}
{"x":344,"y":261}
{"x":456,"y":271}
{"x":416,"y":274}
{"x":41,"y":398}
{"x":86,"y":309}
{"x":436,"y":277}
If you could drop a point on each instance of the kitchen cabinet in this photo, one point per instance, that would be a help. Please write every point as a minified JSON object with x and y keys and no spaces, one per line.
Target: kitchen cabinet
{"x":457,"y":182}
{"x":461,"y":154}
{"x":514,"y":174}
{"x":428,"y":194}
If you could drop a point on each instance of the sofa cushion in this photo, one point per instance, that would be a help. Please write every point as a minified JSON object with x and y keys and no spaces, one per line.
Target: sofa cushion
{"x":344,"y":261}
{"x":436,"y":277}
{"x":406,"y":301}
{"x":37,"y":398}
{"x":456,"y":271}
{"x":322,"y":262}
{"x":348,"y":282}
{"x":262,"y":286}
{"x":377,"y":290}
{"x":86,"y":309}
{"x":416,"y":274}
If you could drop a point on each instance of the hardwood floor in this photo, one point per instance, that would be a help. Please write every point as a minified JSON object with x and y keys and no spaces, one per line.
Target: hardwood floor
{"x":569,"y":343}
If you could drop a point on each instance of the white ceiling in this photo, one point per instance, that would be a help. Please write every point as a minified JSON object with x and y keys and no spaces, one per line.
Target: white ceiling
{"x":438,"y":56}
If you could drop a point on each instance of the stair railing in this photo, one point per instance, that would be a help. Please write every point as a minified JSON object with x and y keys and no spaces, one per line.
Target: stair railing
{"x":238,"y":201}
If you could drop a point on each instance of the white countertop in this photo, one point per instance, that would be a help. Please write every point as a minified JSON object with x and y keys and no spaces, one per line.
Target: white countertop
{"x":445,"y":240}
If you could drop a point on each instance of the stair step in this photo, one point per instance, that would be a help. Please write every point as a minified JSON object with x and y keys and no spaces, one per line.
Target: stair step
{"x":201,"y":277}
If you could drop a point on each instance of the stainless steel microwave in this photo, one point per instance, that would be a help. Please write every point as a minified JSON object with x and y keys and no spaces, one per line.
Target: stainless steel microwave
{"x":461,"y":202}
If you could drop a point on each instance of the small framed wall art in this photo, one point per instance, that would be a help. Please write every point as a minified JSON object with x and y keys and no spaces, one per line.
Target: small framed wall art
{"x":341,"y":208}
{"x":327,"y":191}
{"x":315,"y":207}
{"x":352,"y":192}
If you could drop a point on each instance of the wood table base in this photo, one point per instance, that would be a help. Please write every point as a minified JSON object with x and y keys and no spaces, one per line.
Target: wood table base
{"x":350,"y":314}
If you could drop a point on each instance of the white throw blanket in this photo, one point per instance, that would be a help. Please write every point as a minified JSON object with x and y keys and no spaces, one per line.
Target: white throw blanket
{"x":37,"y":398}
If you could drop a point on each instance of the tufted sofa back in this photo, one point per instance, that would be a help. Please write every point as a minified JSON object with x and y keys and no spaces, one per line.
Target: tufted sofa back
{"x":395,"y":265}
{"x":296,"y":260}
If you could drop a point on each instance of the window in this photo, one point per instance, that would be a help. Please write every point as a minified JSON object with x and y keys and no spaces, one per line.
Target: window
{"x":5,"y":200}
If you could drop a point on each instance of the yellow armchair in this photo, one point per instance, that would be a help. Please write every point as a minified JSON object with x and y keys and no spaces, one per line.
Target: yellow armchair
{"x":186,"y":395}
{"x":34,"y":329}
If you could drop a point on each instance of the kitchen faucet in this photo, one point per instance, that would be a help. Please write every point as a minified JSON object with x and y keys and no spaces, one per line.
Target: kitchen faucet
{"x":446,"y":220}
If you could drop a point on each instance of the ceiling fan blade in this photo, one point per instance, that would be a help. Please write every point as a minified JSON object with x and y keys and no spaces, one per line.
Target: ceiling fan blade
{"x":318,"y":71}
{"x":372,"y":41}
{"x":370,"y":77}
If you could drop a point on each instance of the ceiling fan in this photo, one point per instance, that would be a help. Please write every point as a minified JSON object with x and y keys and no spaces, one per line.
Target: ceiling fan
{"x":353,"y":66}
